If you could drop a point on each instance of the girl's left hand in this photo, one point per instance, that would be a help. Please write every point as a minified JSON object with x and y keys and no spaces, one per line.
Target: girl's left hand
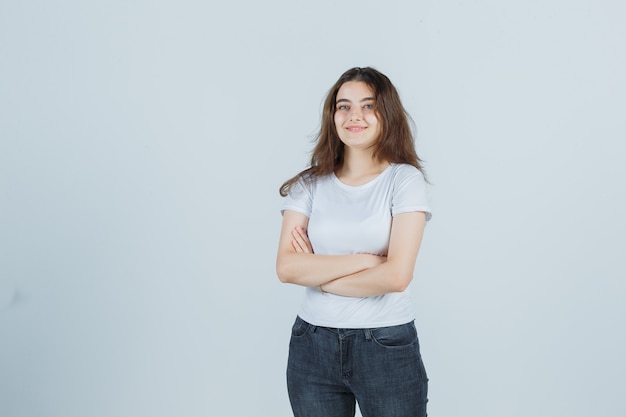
{"x":301,"y":242}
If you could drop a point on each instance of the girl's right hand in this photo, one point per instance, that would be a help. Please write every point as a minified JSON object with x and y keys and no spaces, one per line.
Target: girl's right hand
{"x":301,"y":242}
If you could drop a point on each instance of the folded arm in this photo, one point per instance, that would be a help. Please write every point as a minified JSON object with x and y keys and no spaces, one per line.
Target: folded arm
{"x":396,"y":273}
{"x":296,"y":263}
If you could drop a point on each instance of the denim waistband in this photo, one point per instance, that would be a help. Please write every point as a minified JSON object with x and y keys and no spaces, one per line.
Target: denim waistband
{"x":342,"y":332}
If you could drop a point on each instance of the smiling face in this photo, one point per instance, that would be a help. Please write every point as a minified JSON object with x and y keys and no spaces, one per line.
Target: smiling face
{"x":356,"y":119}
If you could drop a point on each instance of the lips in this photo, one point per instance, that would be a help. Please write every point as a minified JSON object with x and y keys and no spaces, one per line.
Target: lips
{"x":355,"y":129}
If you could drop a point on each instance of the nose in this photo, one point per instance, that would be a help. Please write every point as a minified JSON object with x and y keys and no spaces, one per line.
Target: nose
{"x":356,"y":113}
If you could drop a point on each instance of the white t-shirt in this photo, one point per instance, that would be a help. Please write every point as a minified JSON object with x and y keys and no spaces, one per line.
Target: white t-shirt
{"x":346,"y":219}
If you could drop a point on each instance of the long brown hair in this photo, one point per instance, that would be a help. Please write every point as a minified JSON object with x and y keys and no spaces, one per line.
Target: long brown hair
{"x":395,"y":144}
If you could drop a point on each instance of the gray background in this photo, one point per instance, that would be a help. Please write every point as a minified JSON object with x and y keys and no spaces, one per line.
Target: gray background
{"x":142,"y":144}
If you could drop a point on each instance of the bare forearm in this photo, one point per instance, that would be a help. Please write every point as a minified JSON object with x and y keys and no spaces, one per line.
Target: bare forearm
{"x":383,"y":279}
{"x":312,"y":270}
{"x":394,"y":275}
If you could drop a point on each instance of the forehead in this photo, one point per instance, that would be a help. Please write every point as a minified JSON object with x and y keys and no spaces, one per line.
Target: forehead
{"x":355,"y":90}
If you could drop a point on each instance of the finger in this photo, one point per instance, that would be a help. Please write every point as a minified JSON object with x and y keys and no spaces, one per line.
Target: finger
{"x":299,"y":234}
{"x":304,"y":238}
{"x":300,"y":246}
{"x":296,"y":246}
{"x":307,"y":243}
{"x":298,"y":231}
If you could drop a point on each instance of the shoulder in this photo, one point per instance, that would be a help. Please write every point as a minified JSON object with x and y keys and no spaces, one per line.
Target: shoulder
{"x":308,"y":184}
{"x":409,"y":190}
{"x":401,"y":172}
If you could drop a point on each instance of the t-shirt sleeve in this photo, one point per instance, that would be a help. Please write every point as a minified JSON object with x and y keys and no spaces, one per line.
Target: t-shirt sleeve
{"x":300,"y":198}
{"x":409,"y":192}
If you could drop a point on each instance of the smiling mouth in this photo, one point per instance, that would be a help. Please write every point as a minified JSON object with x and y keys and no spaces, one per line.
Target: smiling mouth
{"x":355,"y":128}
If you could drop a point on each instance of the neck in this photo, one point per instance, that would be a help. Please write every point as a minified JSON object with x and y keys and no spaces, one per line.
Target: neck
{"x":360,"y":166}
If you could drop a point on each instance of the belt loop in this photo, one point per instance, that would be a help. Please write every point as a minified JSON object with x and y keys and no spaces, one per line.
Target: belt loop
{"x":368,"y":334}
{"x":313,"y":328}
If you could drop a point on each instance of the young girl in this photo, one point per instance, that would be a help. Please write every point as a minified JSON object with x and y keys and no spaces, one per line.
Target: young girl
{"x":352,"y":227}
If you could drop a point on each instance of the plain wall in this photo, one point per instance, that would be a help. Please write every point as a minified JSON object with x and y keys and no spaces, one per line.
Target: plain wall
{"x":142,"y":144}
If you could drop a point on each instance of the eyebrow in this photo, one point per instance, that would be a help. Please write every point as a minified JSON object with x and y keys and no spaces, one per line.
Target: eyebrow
{"x":345,"y":100}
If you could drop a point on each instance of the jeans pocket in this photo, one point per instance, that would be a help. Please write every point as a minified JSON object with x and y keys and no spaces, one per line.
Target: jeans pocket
{"x":299,"y":327}
{"x":395,"y":336}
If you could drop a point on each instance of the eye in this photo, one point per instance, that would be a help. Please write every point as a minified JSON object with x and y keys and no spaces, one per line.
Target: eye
{"x":342,"y":107}
{"x":369,"y":107}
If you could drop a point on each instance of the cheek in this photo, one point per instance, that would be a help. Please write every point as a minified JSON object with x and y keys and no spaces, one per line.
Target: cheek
{"x":378,"y":127}
{"x":338,"y":122}
{"x":372,"y":120}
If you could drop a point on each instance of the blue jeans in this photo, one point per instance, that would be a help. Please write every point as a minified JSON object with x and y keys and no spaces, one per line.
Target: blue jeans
{"x":330,"y":370}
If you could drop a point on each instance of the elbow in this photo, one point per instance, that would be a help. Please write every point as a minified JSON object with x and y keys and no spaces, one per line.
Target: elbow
{"x":287,"y":268}
{"x":282,"y":271}
{"x":399,"y":274}
{"x":400,"y":281}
